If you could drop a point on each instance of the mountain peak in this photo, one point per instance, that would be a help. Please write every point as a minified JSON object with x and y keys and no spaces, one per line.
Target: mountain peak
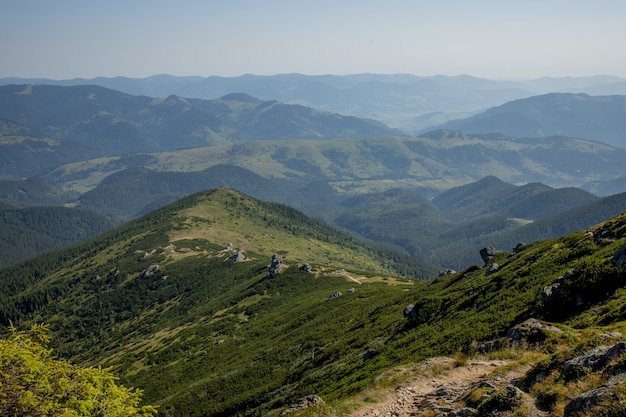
{"x":241,"y":97}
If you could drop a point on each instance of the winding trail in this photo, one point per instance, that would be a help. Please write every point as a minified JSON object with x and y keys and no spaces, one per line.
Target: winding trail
{"x":442,"y":393}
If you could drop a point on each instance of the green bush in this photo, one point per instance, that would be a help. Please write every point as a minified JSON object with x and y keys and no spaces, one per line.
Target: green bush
{"x":34,"y":383}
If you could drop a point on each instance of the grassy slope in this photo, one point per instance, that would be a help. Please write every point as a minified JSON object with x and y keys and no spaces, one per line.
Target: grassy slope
{"x":206,"y":336}
{"x":441,"y":161}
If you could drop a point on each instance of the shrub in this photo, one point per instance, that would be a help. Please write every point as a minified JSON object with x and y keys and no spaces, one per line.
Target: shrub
{"x":34,"y":383}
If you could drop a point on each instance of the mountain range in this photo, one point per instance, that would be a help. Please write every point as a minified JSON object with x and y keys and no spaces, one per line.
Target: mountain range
{"x":600,"y":118}
{"x":404,"y":101}
{"x":85,"y":122}
{"x":234,"y":255}
{"x":220,"y":304}
{"x":77,"y":140}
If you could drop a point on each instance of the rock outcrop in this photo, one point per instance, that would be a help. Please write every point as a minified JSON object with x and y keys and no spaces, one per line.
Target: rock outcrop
{"x":493,"y":268}
{"x":304,"y":403}
{"x":276,"y":266}
{"x":553,"y":289}
{"x":488,"y":253}
{"x":334,"y":295}
{"x":410,"y":313}
{"x":619,"y":257}
{"x":237,"y":257}
{"x":530,"y":331}
{"x":149,"y":271}
{"x":595,"y":359}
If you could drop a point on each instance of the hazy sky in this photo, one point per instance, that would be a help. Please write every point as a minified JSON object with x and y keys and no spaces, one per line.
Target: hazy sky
{"x":137,"y":38}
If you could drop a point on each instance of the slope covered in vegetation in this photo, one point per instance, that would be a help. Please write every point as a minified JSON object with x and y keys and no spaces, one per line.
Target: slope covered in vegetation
{"x":181,"y":304}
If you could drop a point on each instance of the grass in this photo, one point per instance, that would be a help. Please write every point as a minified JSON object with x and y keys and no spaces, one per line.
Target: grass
{"x":392,"y":162}
{"x":217,"y":337}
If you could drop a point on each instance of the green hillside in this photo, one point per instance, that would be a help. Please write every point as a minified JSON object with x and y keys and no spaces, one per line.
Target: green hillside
{"x":27,"y":232}
{"x":41,"y":125}
{"x":34,"y":191}
{"x":100,"y":302}
{"x":598,"y":118}
{"x":181,"y":303}
{"x":432,"y":163}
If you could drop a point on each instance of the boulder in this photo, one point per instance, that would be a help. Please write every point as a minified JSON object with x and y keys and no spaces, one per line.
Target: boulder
{"x":530,"y":329}
{"x":334,"y":295}
{"x":409,"y":312}
{"x":305,"y":267}
{"x":518,"y":248}
{"x":462,"y":412}
{"x":493,"y":268}
{"x":595,"y":359}
{"x":275,"y":267}
{"x":304,"y":403}
{"x":585,"y":402}
{"x":553,"y":289}
{"x":601,"y":236}
{"x":237,"y":257}
{"x":149,"y":271}
{"x":488,"y":253}
{"x":514,"y":392}
{"x":619,"y":257}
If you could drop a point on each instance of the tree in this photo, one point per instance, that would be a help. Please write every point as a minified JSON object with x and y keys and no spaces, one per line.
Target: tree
{"x":35,"y":383}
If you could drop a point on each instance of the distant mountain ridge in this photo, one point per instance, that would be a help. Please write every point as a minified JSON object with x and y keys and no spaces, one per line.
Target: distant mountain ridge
{"x":105,"y":122}
{"x":486,"y":212}
{"x":404,"y":101}
{"x":601,"y":118}
{"x":431,"y":163}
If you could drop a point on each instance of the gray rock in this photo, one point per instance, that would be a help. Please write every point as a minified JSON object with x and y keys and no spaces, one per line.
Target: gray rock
{"x":488,"y":253}
{"x":484,"y":384}
{"x":619,"y":257}
{"x":553,"y":289}
{"x":494,"y":267}
{"x":305,"y":267}
{"x":518,"y":248}
{"x":334,"y":295}
{"x":409,"y":312}
{"x":149,"y":271}
{"x":616,"y":350}
{"x":304,"y":403}
{"x":587,"y":401}
{"x":237,"y":257}
{"x":514,"y":392}
{"x":489,"y":346}
{"x":534,"y":326}
{"x":462,"y":412}
{"x":275,"y":267}
{"x":595,"y":359}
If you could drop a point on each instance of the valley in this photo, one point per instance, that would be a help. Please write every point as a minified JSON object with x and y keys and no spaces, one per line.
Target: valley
{"x":232,"y":255}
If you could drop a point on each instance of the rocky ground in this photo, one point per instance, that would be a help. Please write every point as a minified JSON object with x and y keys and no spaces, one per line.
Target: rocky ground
{"x":441,"y":394}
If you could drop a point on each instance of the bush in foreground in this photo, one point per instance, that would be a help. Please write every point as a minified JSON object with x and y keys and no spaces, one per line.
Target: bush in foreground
{"x":35,"y":383}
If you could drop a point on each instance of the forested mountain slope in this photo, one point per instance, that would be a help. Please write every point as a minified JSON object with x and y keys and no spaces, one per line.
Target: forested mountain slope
{"x":181,"y":303}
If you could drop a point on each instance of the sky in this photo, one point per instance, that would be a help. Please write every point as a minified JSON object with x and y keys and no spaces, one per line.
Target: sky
{"x":503,"y":39}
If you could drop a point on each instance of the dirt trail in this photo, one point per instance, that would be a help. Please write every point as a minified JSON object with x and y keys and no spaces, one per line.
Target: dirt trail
{"x":441,"y":393}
